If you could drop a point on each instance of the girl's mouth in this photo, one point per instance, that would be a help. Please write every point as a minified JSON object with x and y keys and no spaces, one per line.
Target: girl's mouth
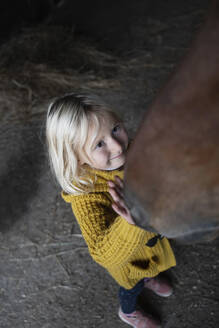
{"x":117,"y":156}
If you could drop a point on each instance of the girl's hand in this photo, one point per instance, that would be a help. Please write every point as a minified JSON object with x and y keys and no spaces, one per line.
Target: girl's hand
{"x":119,"y":206}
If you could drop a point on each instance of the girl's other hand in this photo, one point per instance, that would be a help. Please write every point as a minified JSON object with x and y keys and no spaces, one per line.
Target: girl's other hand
{"x":119,"y":206}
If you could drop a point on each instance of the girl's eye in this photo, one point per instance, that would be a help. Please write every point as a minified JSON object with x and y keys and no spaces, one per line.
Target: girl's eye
{"x":116,"y":128}
{"x":100,"y":144}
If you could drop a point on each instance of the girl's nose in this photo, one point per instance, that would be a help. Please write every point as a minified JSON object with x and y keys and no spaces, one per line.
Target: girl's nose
{"x":116,"y":146}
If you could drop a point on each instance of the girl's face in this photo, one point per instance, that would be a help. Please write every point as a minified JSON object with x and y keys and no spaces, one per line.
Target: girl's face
{"x":108,"y":150}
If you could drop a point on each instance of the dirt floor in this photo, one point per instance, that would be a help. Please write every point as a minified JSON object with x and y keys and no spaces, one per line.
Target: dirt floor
{"x":124,"y":53}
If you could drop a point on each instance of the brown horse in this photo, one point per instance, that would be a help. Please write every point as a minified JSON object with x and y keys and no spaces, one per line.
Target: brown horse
{"x":172,"y":171}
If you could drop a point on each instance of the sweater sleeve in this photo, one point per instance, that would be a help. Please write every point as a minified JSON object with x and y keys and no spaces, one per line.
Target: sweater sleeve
{"x":110,"y":238}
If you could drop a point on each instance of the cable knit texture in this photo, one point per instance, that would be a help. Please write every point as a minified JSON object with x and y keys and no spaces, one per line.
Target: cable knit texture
{"x":115,"y":244}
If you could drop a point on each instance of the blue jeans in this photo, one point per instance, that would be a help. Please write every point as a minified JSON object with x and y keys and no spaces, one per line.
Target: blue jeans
{"x":128,"y":297}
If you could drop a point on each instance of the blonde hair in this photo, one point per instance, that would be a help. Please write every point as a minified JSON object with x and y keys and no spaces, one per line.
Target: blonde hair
{"x":67,"y":124}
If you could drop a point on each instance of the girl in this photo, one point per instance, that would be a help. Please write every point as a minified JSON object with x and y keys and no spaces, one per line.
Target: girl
{"x":87,"y":146}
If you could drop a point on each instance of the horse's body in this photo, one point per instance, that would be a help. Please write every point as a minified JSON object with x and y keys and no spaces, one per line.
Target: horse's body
{"x":172,"y":171}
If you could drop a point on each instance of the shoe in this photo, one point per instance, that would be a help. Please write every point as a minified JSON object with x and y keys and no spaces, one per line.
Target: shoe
{"x":159,"y":286}
{"x":137,"y":319}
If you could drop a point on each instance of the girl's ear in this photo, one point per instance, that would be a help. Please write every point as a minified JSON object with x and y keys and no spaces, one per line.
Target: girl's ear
{"x":82,"y":159}
{"x":80,"y":162}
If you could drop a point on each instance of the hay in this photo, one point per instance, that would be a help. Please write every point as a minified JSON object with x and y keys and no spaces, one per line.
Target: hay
{"x":46,"y":61}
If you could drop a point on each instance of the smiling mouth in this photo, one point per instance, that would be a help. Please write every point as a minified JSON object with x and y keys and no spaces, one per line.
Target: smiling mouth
{"x":116,"y":156}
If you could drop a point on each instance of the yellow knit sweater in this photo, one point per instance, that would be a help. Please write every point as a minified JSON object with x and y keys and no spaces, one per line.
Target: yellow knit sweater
{"x":115,"y":244}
